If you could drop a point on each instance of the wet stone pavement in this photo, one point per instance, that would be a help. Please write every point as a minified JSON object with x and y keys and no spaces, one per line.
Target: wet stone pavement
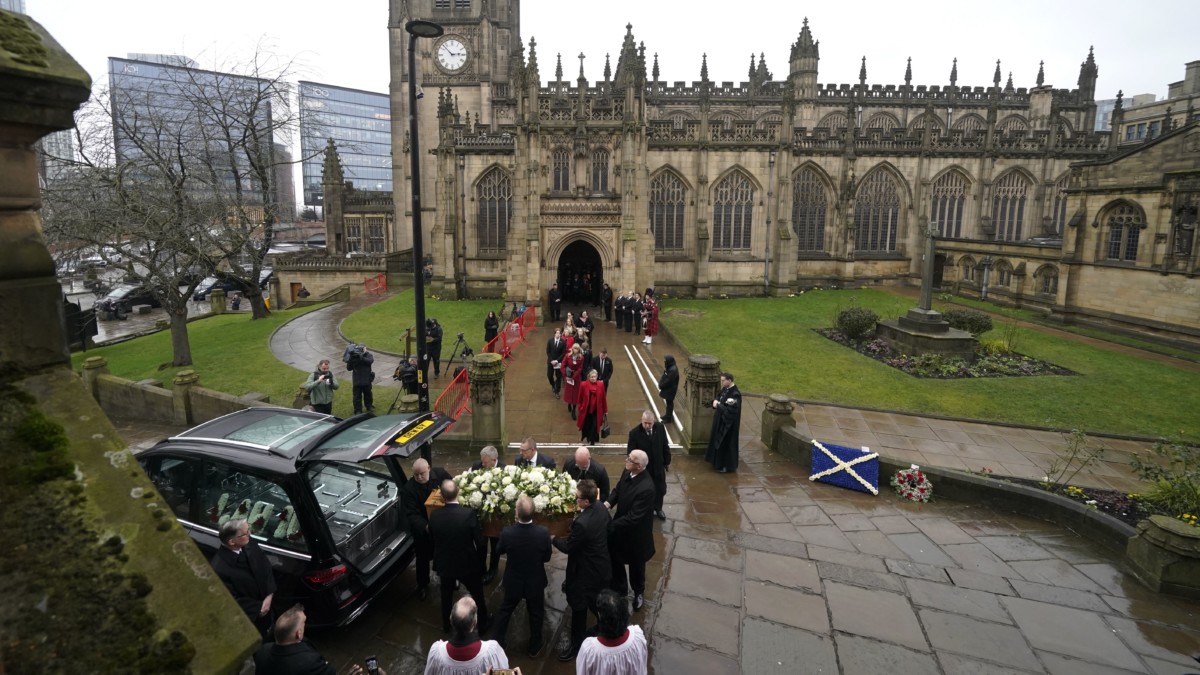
{"x":763,"y":571}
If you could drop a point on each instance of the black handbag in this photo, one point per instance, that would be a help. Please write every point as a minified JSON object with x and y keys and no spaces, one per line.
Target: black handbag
{"x":604,"y":430}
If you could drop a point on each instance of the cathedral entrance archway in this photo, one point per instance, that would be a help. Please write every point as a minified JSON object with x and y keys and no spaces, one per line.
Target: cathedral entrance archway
{"x":580,"y":273}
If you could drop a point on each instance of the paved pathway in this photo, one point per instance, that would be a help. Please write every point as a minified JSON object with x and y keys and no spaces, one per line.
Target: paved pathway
{"x":763,"y":571}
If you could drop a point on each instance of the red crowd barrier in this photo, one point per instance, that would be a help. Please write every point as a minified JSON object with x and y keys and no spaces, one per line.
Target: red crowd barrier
{"x":376,"y":285}
{"x":454,"y":399}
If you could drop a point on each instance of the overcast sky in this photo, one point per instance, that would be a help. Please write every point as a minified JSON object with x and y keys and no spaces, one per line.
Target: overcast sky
{"x":1138,"y":49}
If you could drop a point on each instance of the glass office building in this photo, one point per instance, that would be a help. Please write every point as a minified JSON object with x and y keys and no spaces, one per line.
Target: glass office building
{"x":158,"y":104}
{"x":360,"y":123}
{"x":13,"y":5}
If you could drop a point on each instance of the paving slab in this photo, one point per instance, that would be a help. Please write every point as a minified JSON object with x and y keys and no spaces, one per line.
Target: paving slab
{"x":771,"y":648}
{"x":947,"y":598}
{"x":874,"y":614}
{"x":783,"y":570}
{"x":954,"y":664}
{"x":699,"y":622}
{"x":860,"y":656}
{"x":992,"y":642}
{"x":786,"y":606}
{"x":705,"y":581}
{"x":1074,"y":632}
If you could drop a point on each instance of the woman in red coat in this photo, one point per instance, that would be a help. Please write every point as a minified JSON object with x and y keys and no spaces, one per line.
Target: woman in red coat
{"x":572,"y":371}
{"x":650,"y":312}
{"x":593,"y":404}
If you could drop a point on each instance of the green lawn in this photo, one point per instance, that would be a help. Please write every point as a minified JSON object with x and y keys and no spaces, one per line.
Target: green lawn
{"x":381,"y":326}
{"x":769,"y":346}
{"x":229,"y":352}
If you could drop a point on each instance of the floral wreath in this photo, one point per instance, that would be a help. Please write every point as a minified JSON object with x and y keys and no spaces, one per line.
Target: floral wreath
{"x":912,"y":484}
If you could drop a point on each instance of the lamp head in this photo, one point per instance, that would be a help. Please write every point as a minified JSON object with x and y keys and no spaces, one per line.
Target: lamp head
{"x":425,"y":29}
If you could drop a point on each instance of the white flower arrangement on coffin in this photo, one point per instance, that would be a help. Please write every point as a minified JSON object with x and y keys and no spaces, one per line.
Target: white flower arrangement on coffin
{"x":494,"y":492}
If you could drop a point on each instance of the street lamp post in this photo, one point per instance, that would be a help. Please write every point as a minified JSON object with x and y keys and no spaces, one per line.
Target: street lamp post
{"x":769,"y":233}
{"x":418,"y":29}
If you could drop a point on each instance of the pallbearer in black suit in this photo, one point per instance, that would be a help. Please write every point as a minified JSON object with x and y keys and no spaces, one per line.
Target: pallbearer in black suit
{"x":631,"y":532}
{"x":531,"y":457}
{"x":588,"y":566}
{"x":651,"y":437}
{"x":458,"y":546}
{"x":556,"y":351}
{"x":527,"y":547}
{"x":582,"y":466}
{"x":489,"y":458}
{"x":412,"y":499}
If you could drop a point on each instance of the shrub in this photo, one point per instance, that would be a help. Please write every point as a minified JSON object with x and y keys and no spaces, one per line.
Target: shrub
{"x":1177,"y":485}
{"x":857,"y":323}
{"x":995,"y":346}
{"x":974,"y":322}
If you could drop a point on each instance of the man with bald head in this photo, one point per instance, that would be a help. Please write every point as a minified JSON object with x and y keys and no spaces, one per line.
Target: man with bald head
{"x":489,"y":458}
{"x":631,"y":532}
{"x":412,"y":499}
{"x":527,"y":548}
{"x":531,"y":457}
{"x":458,"y":546}
{"x":582,"y":466}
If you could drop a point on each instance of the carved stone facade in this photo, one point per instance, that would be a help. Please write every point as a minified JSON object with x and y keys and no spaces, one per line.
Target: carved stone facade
{"x":769,"y":186}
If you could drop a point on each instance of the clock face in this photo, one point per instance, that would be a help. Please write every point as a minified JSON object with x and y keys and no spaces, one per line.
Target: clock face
{"x":452,"y":54}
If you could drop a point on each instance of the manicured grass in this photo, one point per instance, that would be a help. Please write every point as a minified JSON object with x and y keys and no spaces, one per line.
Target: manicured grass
{"x":381,"y":326}
{"x":230,"y":353}
{"x":769,"y":345}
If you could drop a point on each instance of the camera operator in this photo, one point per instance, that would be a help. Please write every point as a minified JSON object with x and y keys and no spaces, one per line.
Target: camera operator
{"x":433,"y":344}
{"x":291,"y":654}
{"x":320,"y":386}
{"x":359,"y":362}
{"x":407,"y":374}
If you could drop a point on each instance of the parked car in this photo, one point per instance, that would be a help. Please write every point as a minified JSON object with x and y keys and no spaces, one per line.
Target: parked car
{"x":209,"y":283}
{"x":321,"y":494}
{"x":127,"y":295}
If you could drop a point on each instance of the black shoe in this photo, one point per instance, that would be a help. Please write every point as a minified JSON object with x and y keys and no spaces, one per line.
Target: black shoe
{"x":535,"y":650}
{"x":489,"y":578}
{"x":722,"y":470}
{"x":667,"y":420}
{"x":638,"y":602}
{"x":572,"y":412}
{"x":423,"y":593}
{"x":556,"y":394}
{"x":568,"y":653}
{"x":660,"y":514}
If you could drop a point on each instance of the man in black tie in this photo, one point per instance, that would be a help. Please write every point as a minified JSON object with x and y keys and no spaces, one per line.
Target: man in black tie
{"x":458,"y":547}
{"x":489,"y":458}
{"x":246,"y":572}
{"x":416,"y":490}
{"x":651,"y":436}
{"x":527,"y":547}
{"x":581,"y":466}
{"x":603,"y":367}
{"x":631,"y":532}
{"x":531,"y":457}
{"x":556,"y":350}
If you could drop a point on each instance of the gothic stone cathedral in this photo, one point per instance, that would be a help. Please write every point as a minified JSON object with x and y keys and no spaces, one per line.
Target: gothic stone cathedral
{"x":773,"y":185}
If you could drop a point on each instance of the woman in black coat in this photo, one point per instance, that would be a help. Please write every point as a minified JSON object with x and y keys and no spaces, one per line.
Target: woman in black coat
{"x":668,"y":386}
{"x":491,"y":328}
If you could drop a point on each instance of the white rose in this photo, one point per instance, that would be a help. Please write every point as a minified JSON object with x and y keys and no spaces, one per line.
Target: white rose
{"x":505,"y":508}
{"x":486,"y":487}
{"x":511,"y":492}
{"x":511,"y":469}
{"x":539,"y":503}
{"x":556,"y":501}
{"x":507,"y":480}
{"x":545,"y":489}
{"x":475,"y":499}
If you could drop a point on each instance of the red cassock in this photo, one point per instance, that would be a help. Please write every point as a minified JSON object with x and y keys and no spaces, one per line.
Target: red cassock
{"x":570,"y":367}
{"x":592,"y":399}
{"x":650,"y":309}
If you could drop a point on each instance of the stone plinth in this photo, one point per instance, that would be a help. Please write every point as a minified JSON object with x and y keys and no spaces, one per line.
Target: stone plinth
{"x":1166,"y":555}
{"x":776,"y":415}
{"x":923,"y":331}
{"x":701,"y":382}
{"x":487,"y":399}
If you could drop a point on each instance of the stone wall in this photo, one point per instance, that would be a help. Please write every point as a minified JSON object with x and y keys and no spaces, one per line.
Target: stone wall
{"x":185,"y":404}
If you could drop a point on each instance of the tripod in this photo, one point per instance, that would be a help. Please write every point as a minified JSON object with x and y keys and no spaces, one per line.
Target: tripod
{"x":461,"y":351}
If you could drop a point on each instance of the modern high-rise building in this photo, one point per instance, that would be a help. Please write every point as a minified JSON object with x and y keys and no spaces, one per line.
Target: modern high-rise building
{"x":13,"y":5}
{"x":359,"y":122}
{"x":162,"y":100}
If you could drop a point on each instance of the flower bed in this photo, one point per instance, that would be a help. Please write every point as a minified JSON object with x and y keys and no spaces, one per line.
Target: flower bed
{"x":942,"y":367}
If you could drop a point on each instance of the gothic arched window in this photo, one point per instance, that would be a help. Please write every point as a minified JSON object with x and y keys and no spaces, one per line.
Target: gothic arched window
{"x":876,"y":213}
{"x":1058,"y":212}
{"x":733,"y":212}
{"x":1047,"y":280}
{"x":1013,"y":124}
{"x":600,"y":171}
{"x":809,"y":209}
{"x":834,"y":121}
{"x":1008,"y":206}
{"x":561,"y":170}
{"x":667,"y":201}
{"x":970,"y":123}
{"x":947,"y":204}
{"x":1125,"y":223}
{"x":883,"y":121}
{"x":967,"y":266}
{"x":493,"y":193}
{"x":1004,"y":274}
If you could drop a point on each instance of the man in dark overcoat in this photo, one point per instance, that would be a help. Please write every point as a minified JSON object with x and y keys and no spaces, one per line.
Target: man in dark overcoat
{"x":423,"y":481}
{"x":527,"y":547}
{"x":588,"y":566}
{"x":727,"y":419}
{"x":489,"y":458}
{"x":556,"y":351}
{"x":606,"y":298}
{"x":246,"y":572}
{"x":603,"y":367}
{"x":631,"y":532}
{"x":668,"y":387}
{"x":554,"y":300}
{"x":582,"y":466}
{"x":651,"y":437}
{"x":458,"y":548}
